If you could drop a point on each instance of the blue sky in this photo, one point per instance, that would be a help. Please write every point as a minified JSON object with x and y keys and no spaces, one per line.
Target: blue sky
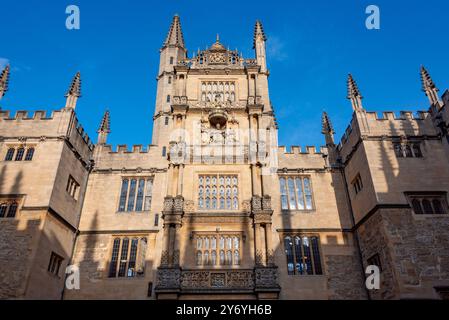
{"x":312,"y":46}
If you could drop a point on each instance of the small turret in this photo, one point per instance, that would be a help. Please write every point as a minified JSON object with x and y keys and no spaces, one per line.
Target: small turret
{"x":74,"y":92}
{"x":354,"y":94}
{"x":104,"y":129}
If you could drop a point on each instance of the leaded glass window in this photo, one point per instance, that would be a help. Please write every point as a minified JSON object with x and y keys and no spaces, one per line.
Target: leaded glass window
{"x":128,"y":257}
{"x":303,"y":255}
{"x":218,"y":192}
{"x":135,"y":194}
{"x":227,"y":252}
{"x":296,"y":193}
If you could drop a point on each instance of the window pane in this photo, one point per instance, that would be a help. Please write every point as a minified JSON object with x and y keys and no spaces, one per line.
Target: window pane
{"x":298,"y":256}
{"x":438,"y":207}
{"x":308,"y":193}
{"x":139,"y":201}
{"x":427,"y":207}
{"x":132,"y":195}
{"x":206,"y":258}
{"x":123,"y":258}
{"x":222,"y":243}
{"x":19,"y":155}
{"x":29,"y":155}
{"x":148,"y":195}
{"x":283,"y":191}
{"x":299,"y":194}
{"x":213,"y":244}
{"x":236,"y":257}
{"x":213,"y":258}
{"x":10,"y":154}
{"x":307,"y":255}
{"x":408,"y":151}
{"x":417,"y":150}
{"x":12,"y":210}
{"x":123,"y":194}
{"x":132,"y":258}
{"x":114,"y":258}
{"x":398,"y":150}
{"x":229,"y":257}
{"x":288,"y":246}
{"x":199,"y":243}
{"x":291,"y":194}
{"x":199,"y":258}
{"x":316,"y":256}
{"x":3,"y":208}
{"x":417,"y":206}
{"x":222,"y":257}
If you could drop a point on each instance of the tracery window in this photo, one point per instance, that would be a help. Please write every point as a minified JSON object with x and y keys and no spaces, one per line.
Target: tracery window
{"x":218,"y":192}
{"x":220,"y":91}
{"x":128,"y":257}
{"x":217,"y":249}
{"x":136,"y":194}
{"x":296,"y":193}
{"x":303,"y":255}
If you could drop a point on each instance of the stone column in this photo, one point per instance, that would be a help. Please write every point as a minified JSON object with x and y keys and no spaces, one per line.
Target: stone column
{"x":180,"y":179}
{"x":176,"y":244}
{"x":175,"y":180}
{"x":268,"y":250}
{"x":169,"y":180}
{"x":172,"y":244}
{"x":165,"y":260}
{"x":258,"y":252}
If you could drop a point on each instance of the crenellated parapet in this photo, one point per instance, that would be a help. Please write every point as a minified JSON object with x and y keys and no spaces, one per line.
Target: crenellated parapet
{"x":297,"y":157}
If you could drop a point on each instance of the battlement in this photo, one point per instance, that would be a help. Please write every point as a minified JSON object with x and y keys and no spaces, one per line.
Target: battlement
{"x":123,"y":148}
{"x":402,"y":115}
{"x":26,"y":115}
{"x":299,"y":150}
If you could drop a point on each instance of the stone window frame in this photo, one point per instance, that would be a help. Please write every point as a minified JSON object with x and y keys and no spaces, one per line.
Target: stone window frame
{"x":139,"y":257}
{"x":407,"y":149}
{"x":430,"y":196}
{"x":286,"y":176}
{"x":234,"y":81}
{"x":54,"y":264}
{"x":357,"y":184}
{"x":73,"y":187}
{"x":240,"y":235}
{"x":218,"y":174}
{"x":14,"y":157}
{"x":283,"y":235}
{"x":6,"y":201}
{"x":125,"y":210}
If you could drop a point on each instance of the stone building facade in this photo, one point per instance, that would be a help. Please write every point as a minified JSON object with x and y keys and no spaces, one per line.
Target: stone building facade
{"x":214,"y":208}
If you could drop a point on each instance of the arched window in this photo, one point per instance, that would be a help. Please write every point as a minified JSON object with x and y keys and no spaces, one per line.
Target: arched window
{"x":206,"y":258}
{"x":213,"y":244}
{"x":213,"y":258}
{"x":229,"y":257}
{"x":12,"y":210}
{"x":19,"y":154}
{"x":288,"y":246}
{"x":206,"y":243}
{"x":10,"y":154}
{"x":199,"y":258}
{"x":199,"y":243}
{"x":30,"y":154}
{"x":427,"y":207}
{"x":222,"y":257}
{"x":3,"y":208}
{"x":236,"y":257}
{"x":416,"y":204}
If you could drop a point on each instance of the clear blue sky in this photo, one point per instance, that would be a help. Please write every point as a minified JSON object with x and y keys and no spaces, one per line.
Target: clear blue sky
{"x":312,"y":46}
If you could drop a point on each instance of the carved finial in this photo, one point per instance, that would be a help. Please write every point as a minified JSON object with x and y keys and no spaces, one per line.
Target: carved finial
{"x":429,"y":87}
{"x":74,"y":91}
{"x":258,"y":33}
{"x":328,"y":130}
{"x":175,"y":36}
{"x":218,"y":38}
{"x":4,"y":79}
{"x":105,"y":128}
{"x":354,"y":94}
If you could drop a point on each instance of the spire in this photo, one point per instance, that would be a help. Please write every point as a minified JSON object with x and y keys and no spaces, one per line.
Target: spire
{"x":429,"y":87}
{"x":354,"y":94}
{"x":4,"y":79}
{"x":258,"y":33}
{"x":328,"y":130}
{"x":175,"y":36}
{"x":105,"y":128}
{"x":74,"y":92}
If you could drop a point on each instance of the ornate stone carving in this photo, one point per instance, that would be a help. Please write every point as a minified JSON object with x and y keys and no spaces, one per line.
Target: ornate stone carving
{"x":270,"y":257}
{"x":218,"y":280}
{"x":168,"y":204}
{"x":246,"y":205}
{"x":168,"y":278}
{"x":266,"y":277}
{"x":176,"y":258}
{"x":164,"y":258}
{"x":195,"y":279}
{"x":259,"y":257}
{"x":266,"y":202}
{"x":212,"y":280}
{"x":256,"y":203}
{"x":189,"y":206}
{"x":178,"y":204}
